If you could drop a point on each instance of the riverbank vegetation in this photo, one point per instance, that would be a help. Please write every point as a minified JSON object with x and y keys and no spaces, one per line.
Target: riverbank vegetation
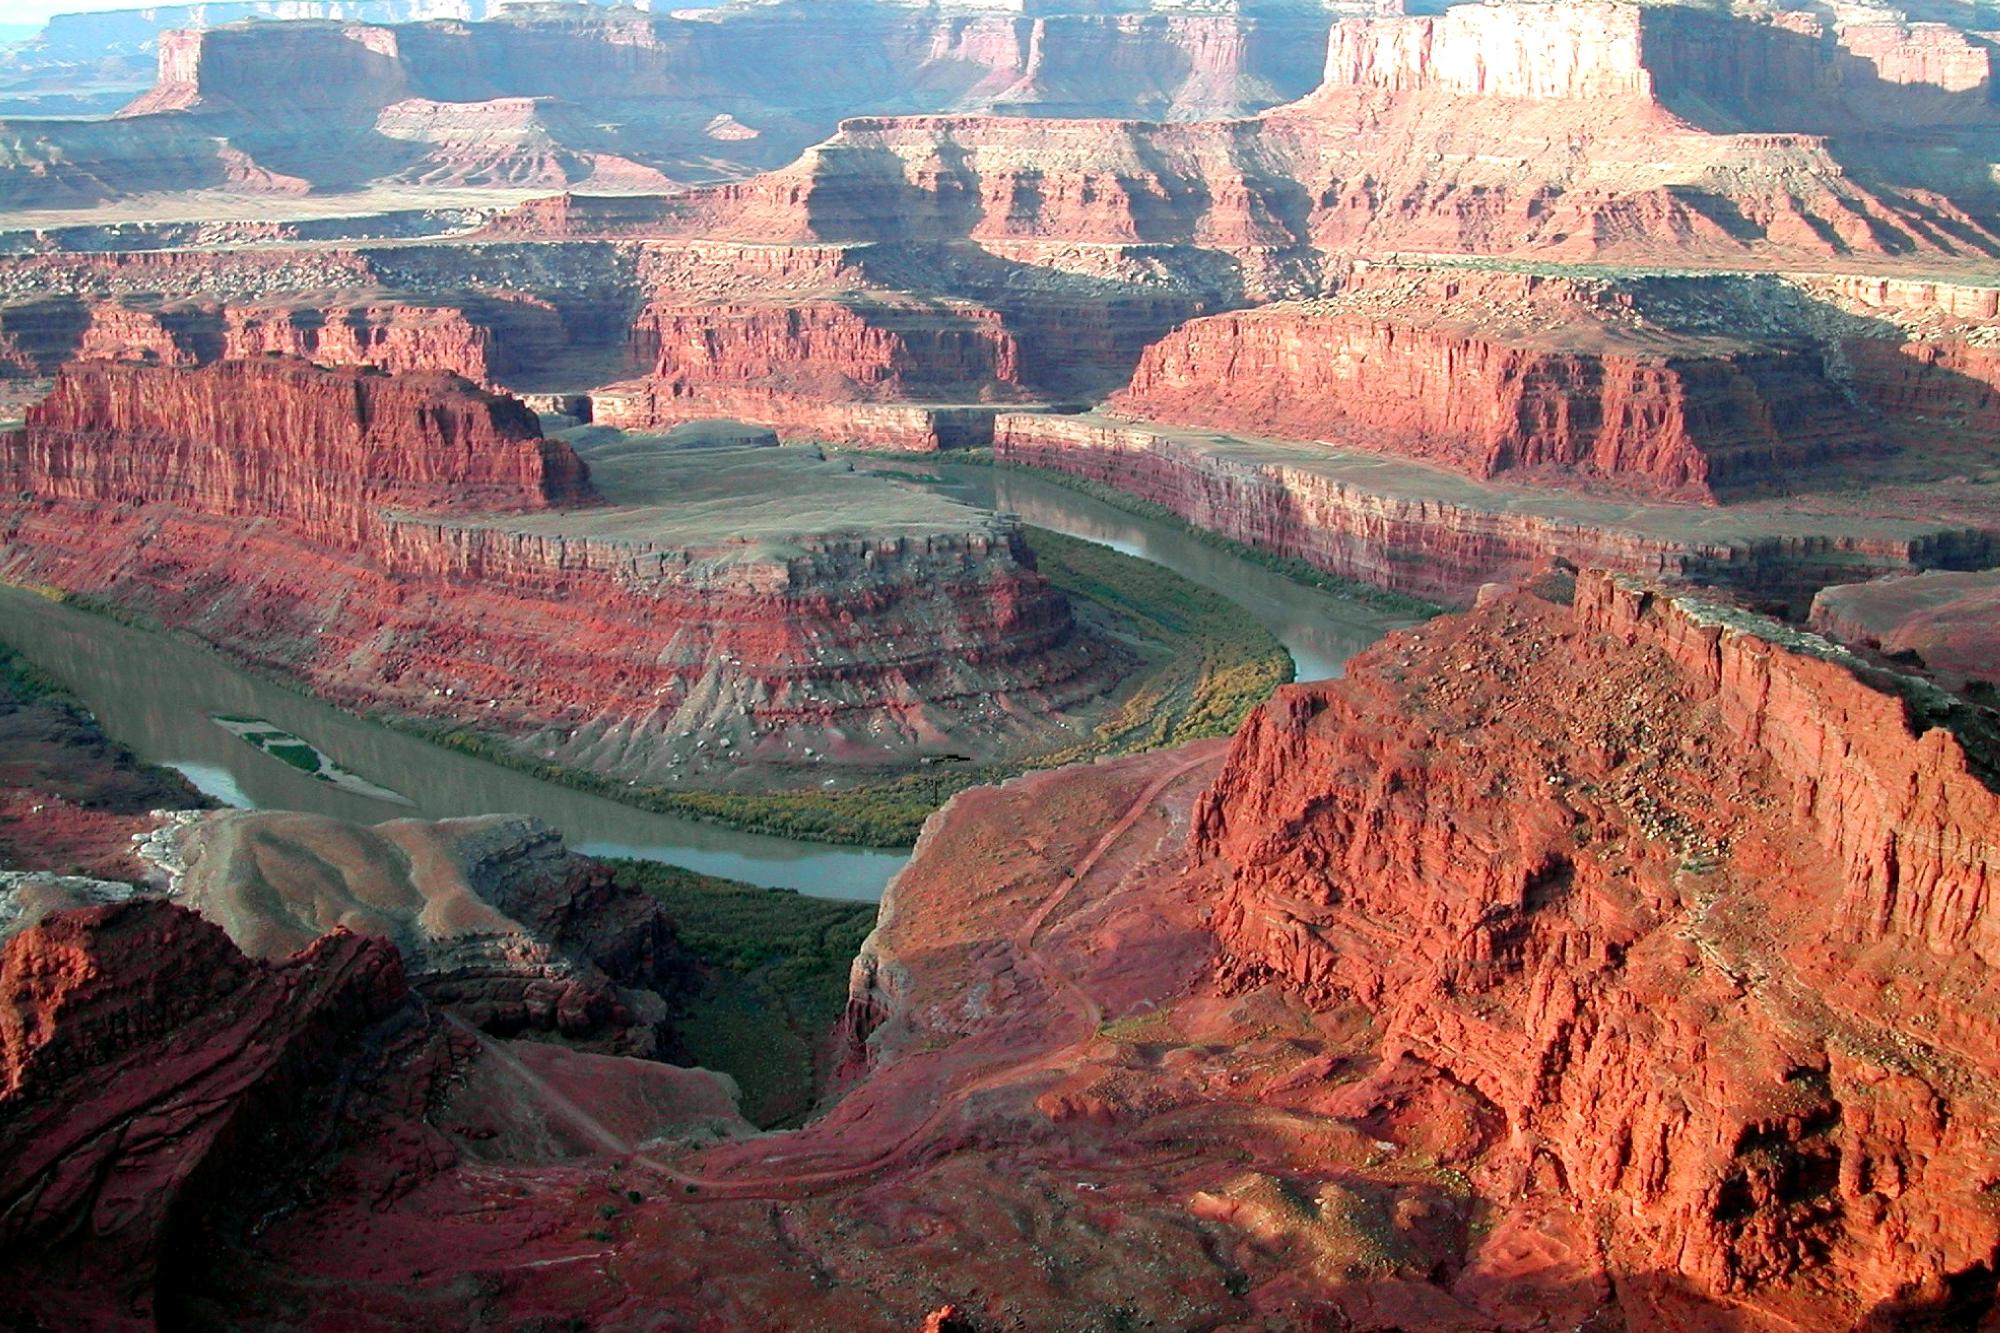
{"x":1312,"y":576}
{"x":1204,"y":663}
{"x":774,"y":982}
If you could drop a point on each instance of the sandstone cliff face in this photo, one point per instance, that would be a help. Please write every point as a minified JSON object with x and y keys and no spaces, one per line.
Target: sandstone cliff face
{"x":411,"y":543}
{"x":1698,"y":425}
{"x":623,"y":101}
{"x":482,"y":340}
{"x":1680,"y":867}
{"x":477,"y":337}
{"x":322,"y":448}
{"x":626,"y":658}
{"x":1511,"y":129}
{"x":1586,"y":51}
{"x":155,"y":1083}
{"x":826,"y":349}
{"x":1945,"y":384}
{"x":1419,"y":533}
{"x":1799,"y":71}
{"x":904,"y":427}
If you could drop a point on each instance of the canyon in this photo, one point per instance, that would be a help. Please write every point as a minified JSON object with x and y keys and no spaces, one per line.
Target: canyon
{"x":411,"y":543}
{"x":1091,"y":969}
{"x":554,"y":97}
{"x":638,"y":398}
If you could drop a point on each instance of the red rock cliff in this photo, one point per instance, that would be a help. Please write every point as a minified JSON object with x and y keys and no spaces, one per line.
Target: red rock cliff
{"x":1411,"y":528}
{"x":153,"y":1081}
{"x":826,"y":349}
{"x":1697,"y":425}
{"x":283,"y":439}
{"x":1699,"y":904}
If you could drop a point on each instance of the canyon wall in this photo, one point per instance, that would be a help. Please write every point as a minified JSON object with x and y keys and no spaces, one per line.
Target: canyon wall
{"x":1774,"y":71}
{"x":858,"y":370}
{"x":1502,"y":129}
{"x":620,"y":100}
{"x":1541,"y":52}
{"x":1701,"y":424}
{"x":410,"y":543}
{"x":482,"y":337}
{"x":1421,"y":534}
{"x":837,"y":350}
{"x":800,"y":57}
{"x":1943,"y":384}
{"x":1680,"y":866}
{"x":631,"y":659}
{"x":320,"y":448}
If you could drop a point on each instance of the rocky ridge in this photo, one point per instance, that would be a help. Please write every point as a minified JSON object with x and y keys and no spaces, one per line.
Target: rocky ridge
{"x":625,"y":100}
{"x":1744,"y":910}
{"x":1585,"y":406}
{"x":495,"y":920}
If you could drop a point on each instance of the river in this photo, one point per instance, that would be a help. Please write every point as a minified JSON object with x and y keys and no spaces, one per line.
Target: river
{"x":160,"y":697}
{"x":1319,"y":629}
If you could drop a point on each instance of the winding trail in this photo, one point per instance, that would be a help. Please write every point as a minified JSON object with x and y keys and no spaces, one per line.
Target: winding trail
{"x":793,"y":1184}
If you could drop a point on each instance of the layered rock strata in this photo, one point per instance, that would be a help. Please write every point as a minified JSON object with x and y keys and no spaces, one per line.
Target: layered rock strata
{"x":1491,"y":130}
{"x":857,"y":370}
{"x":1704,"y":875}
{"x":486,"y":339}
{"x":1306,"y":1020}
{"x":326,"y":450}
{"x":626,"y":100}
{"x":339,"y":527}
{"x":1579,"y":406}
{"x":1414,"y":529}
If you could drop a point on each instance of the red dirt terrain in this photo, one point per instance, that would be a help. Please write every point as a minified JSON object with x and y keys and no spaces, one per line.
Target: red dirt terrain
{"x":1596,"y":957}
{"x":1601,"y":956}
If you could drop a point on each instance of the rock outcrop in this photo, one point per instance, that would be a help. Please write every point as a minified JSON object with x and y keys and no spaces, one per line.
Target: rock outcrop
{"x":1949,"y":621}
{"x":857,"y":350}
{"x":1940,"y":385}
{"x":496,"y":922}
{"x":411,"y":543}
{"x":1494,"y":129}
{"x":1598,"y":956}
{"x":1580,"y":405}
{"x":627,"y":100}
{"x":157,"y":1086}
{"x":864,"y":369}
{"x":1706,"y":876}
{"x":478,"y":337}
{"x":1415,"y":529}
{"x":323,"y":449}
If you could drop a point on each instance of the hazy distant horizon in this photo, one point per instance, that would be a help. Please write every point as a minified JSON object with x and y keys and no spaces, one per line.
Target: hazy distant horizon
{"x":40,"y":11}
